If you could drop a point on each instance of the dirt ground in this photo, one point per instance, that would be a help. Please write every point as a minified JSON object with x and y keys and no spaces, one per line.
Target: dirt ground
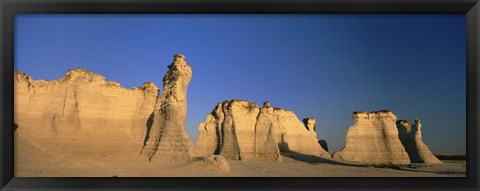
{"x":33,"y":161}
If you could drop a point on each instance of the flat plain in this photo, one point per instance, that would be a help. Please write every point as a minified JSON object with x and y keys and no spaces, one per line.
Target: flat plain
{"x":127,"y":162}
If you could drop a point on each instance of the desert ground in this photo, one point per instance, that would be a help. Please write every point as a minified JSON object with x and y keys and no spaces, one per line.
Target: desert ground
{"x":32,"y":161}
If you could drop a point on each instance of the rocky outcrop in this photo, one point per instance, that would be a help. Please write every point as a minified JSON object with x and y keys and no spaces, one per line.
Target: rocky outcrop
{"x":167,"y":139}
{"x":324,"y":144}
{"x":373,"y":139}
{"x":411,"y":138}
{"x":82,"y":104}
{"x":240,"y":130}
{"x":83,"y":112}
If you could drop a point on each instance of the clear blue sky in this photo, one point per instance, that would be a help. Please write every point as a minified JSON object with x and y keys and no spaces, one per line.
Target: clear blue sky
{"x":322,"y":66}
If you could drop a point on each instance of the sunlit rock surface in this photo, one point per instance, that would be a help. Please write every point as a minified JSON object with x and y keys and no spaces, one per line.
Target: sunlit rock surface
{"x":373,"y":139}
{"x":240,"y":130}
{"x":167,"y":138}
{"x":82,"y":111}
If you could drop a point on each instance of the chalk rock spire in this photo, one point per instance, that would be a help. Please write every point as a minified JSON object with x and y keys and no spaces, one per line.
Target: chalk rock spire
{"x":411,"y":137}
{"x":167,"y":139}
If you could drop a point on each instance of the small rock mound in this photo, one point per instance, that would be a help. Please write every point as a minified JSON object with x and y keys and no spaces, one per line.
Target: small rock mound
{"x":216,"y":162}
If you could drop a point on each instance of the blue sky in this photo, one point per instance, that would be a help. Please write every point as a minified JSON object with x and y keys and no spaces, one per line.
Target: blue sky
{"x":322,"y":66}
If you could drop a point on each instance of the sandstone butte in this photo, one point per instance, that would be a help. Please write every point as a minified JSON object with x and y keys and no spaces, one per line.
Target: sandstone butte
{"x":240,"y":130}
{"x":373,"y":139}
{"x":411,"y":138}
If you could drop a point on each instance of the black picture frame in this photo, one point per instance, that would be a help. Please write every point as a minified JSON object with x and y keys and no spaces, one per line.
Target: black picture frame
{"x":9,"y":8}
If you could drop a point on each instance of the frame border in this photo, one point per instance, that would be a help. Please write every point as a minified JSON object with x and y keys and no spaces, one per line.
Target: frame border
{"x":8,"y":9}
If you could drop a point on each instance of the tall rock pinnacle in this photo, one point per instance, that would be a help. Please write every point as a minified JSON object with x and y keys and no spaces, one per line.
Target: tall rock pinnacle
{"x":411,"y":137}
{"x":167,"y":139}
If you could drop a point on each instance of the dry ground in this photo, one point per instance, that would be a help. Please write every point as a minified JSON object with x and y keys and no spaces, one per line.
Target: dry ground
{"x":33,"y":161}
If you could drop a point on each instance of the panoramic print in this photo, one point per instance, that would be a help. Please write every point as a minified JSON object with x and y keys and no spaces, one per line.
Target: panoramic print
{"x":240,"y":95}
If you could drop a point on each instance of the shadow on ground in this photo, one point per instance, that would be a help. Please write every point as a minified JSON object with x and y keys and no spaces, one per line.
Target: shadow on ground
{"x":315,"y":159}
{"x":311,"y":159}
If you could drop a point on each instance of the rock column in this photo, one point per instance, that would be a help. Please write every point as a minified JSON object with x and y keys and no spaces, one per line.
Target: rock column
{"x":167,"y":139}
{"x":411,"y":137}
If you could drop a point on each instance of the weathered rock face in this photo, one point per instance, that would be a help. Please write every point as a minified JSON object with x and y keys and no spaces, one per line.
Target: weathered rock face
{"x":241,"y":130}
{"x":373,"y":139}
{"x":411,"y":138}
{"x":82,"y":104}
{"x":167,"y":139}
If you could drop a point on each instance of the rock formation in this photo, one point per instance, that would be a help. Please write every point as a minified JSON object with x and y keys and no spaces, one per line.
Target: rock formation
{"x":324,"y":144}
{"x":215,"y":162}
{"x":241,"y":130}
{"x":167,"y":139}
{"x":82,"y":104}
{"x":309,"y":124}
{"x":83,"y":113}
{"x":373,"y":139}
{"x":411,"y":138}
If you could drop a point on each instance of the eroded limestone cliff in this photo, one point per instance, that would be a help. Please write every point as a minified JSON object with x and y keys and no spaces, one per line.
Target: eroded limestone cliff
{"x":240,"y":130}
{"x":373,"y":139}
{"x":84,"y":113}
{"x":82,"y":109}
